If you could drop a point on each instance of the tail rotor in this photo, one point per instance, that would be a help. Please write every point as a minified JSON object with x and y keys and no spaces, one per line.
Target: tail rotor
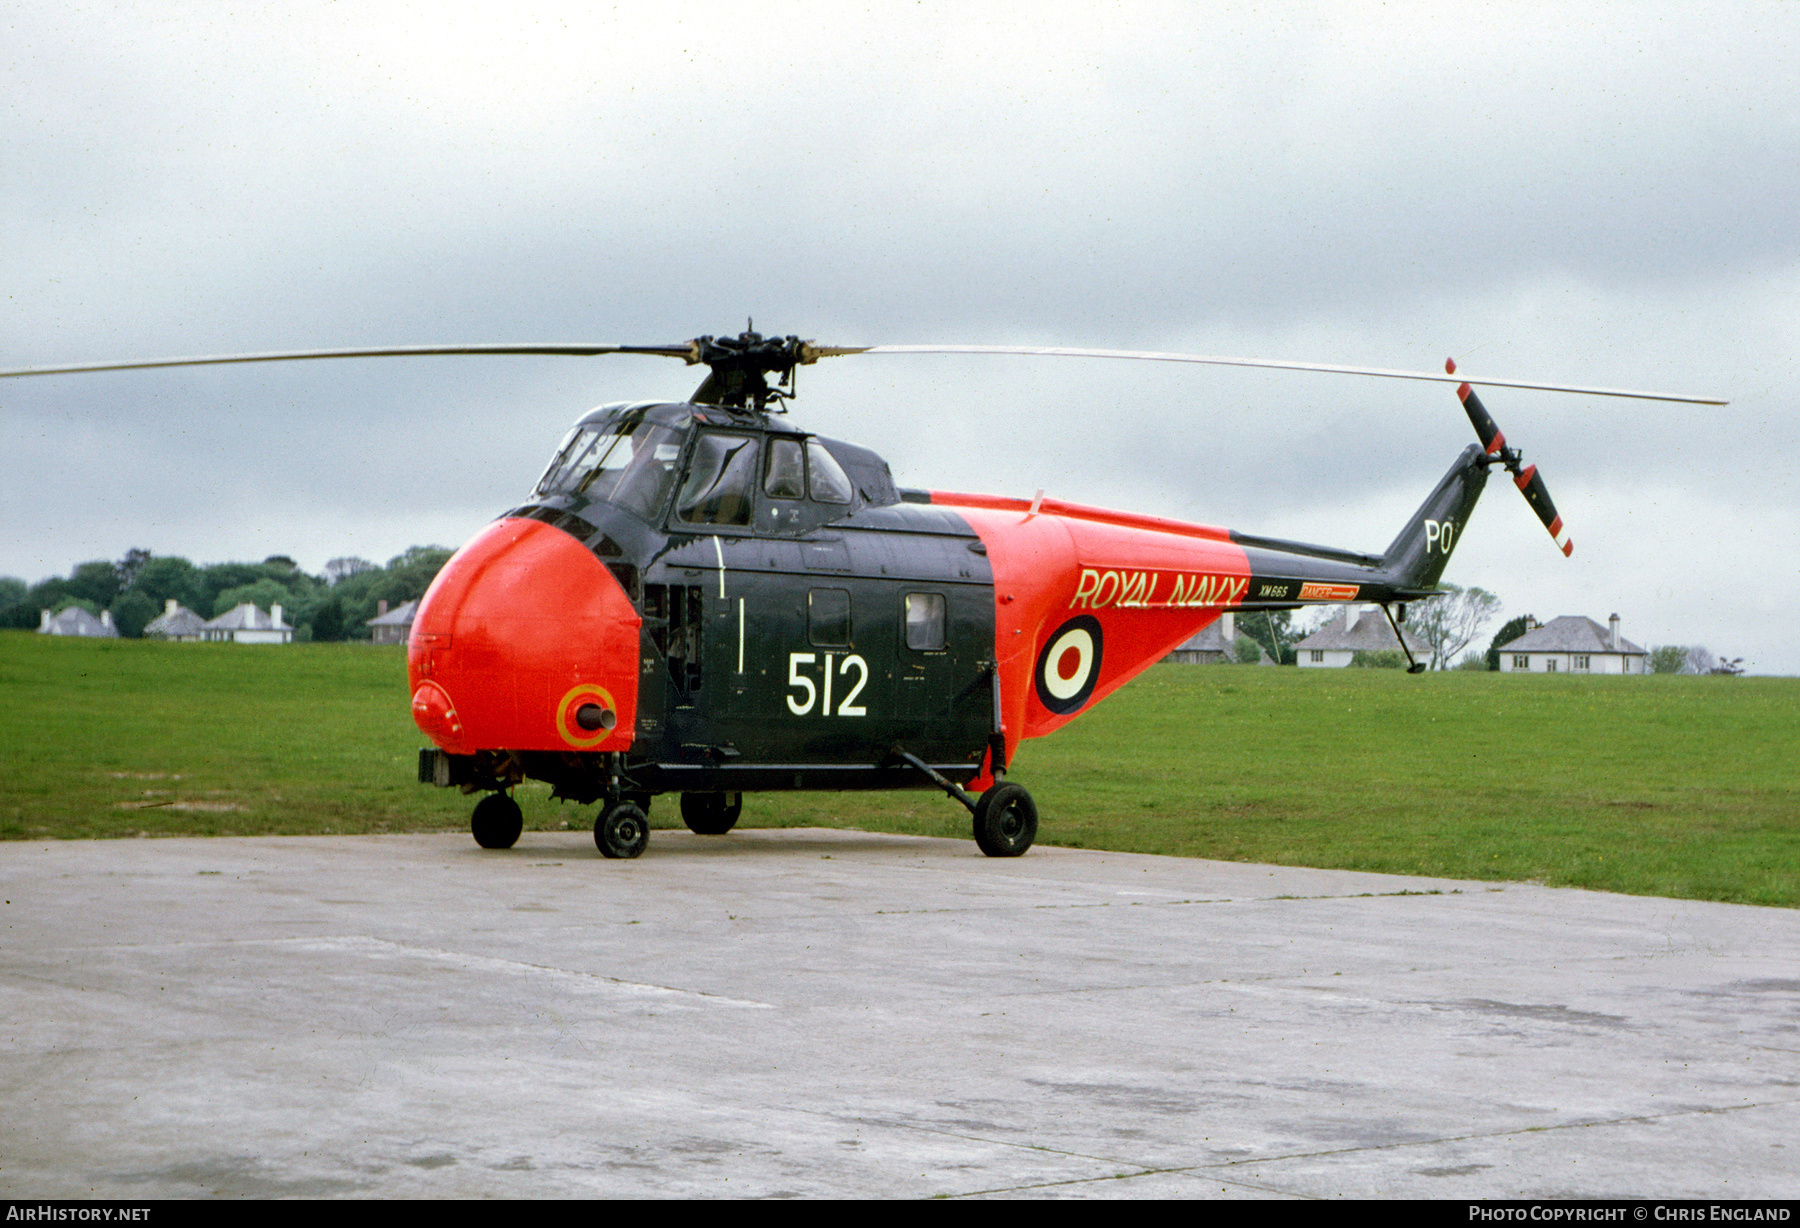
{"x":1525,"y":477}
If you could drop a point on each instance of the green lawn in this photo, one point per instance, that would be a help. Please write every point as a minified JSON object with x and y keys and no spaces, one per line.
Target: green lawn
{"x":1661,"y":785}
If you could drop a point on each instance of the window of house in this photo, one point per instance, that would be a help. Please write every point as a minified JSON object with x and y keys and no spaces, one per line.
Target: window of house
{"x":1317,"y":655}
{"x":1549,"y":665}
{"x":1581,"y":663}
{"x":1521,"y":661}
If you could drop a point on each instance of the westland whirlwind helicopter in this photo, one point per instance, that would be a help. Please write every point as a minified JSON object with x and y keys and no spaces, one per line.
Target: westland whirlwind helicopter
{"x":702,"y":598}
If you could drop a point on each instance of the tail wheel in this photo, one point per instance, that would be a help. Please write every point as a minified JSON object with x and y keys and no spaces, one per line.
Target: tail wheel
{"x":622,"y":831}
{"x":711,"y":814}
{"x":497,"y":822}
{"x":1006,"y":821}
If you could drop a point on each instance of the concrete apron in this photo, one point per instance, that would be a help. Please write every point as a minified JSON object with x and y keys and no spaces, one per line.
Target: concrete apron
{"x":825,"y":1013}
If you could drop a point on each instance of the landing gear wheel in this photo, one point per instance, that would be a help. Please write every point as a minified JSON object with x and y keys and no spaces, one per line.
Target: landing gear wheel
{"x":711,"y":814}
{"x":1005,"y":821}
{"x":621,"y":831}
{"x":497,"y":822}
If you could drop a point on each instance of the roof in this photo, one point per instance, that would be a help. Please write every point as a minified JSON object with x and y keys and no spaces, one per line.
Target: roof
{"x":1369,"y":632}
{"x":77,"y":621}
{"x":176,"y":622}
{"x":1210,"y":638}
{"x":1571,"y":633}
{"x":399,"y":616}
{"x":245,"y":617}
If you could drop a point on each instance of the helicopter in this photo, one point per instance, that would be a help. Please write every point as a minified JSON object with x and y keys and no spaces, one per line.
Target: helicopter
{"x":701,"y":598}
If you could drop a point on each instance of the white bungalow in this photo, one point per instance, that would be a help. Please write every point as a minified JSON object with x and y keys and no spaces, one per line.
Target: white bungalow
{"x":77,"y":621}
{"x":176,"y":622}
{"x":1335,"y":644}
{"x":247,"y":624}
{"x":1573,"y":644}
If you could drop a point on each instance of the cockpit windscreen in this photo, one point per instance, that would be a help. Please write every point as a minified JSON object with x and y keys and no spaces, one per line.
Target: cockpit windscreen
{"x":628,"y":464}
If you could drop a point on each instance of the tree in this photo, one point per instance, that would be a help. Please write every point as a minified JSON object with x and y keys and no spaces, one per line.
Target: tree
{"x":1274,"y":632}
{"x":1513,"y":629}
{"x":131,"y":612}
{"x":1450,"y":623}
{"x":1699,"y":660}
{"x":343,"y":568}
{"x":127,"y":568}
{"x":1668,"y":659}
{"x":97,"y":582}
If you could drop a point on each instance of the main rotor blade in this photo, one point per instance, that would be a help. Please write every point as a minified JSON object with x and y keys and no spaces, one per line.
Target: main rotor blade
{"x":1155,"y":356}
{"x":686,"y":351}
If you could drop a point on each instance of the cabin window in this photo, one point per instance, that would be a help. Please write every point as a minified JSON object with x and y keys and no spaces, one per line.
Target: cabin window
{"x":828,"y":618}
{"x":1317,"y":655}
{"x":1520,"y":661}
{"x":786,"y":477}
{"x":1581,"y":663}
{"x":925,"y":622}
{"x":830,"y":484}
{"x":1549,"y":665}
{"x":720,"y":480}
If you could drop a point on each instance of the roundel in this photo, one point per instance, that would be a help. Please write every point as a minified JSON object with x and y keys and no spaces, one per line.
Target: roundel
{"x":568,"y":716}
{"x":1069,"y":665}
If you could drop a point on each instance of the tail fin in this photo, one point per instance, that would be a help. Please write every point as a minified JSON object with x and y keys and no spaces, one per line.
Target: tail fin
{"x":1417,"y":558}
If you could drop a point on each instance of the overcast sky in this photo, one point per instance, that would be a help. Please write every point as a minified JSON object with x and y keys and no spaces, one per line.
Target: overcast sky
{"x":1602,"y":195}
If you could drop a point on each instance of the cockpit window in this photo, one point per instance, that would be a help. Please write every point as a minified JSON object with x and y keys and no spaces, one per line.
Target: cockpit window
{"x":629,"y":464}
{"x":721,"y":480}
{"x":786,"y":478}
{"x":830,"y":484}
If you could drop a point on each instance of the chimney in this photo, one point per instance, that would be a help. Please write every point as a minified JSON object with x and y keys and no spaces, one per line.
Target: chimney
{"x":275,"y":614}
{"x":169,"y":604}
{"x":1228,"y":628}
{"x":381,"y":608}
{"x":1613,"y":622}
{"x":106,"y":619}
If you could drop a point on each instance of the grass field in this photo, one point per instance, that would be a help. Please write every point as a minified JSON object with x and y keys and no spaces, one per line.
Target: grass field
{"x":1662,"y":785}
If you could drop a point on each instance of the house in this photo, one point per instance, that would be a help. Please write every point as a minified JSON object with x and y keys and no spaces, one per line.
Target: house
{"x":247,"y":624}
{"x":394,"y":627}
{"x":1335,"y":644}
{"x":77,"y":621}
{"x":1214,"y":644}
{"x":1573,"y":645}
{"x":176,"y":622}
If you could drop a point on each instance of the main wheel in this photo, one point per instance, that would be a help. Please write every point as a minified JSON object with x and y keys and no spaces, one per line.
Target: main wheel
{"x":1005,"y":821}
{"x":497,"y":822}
{"x":711,"y":814}
{"x":621,"y":831}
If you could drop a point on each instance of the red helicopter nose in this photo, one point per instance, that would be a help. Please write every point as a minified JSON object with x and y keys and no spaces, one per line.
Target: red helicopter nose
{"x":525,"y":641}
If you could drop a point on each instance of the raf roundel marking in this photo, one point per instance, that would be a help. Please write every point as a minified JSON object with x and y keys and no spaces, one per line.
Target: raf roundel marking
{"x":570,"y":728}
{"x":1069,"y":665}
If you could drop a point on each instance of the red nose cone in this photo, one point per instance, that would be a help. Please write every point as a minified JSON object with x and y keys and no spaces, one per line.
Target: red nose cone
{"x":525,"y":627}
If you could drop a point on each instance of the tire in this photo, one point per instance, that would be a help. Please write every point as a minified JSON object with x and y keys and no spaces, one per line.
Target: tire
{"x":1006,"y":821}
{"x":621,"y":831}
{"x":711,"y":814}
{"x":497,"y":822}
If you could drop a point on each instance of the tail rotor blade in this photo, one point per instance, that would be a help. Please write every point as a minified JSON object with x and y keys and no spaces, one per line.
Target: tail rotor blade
{"x":1531,"y":483}
{"x":1526,"y":477}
